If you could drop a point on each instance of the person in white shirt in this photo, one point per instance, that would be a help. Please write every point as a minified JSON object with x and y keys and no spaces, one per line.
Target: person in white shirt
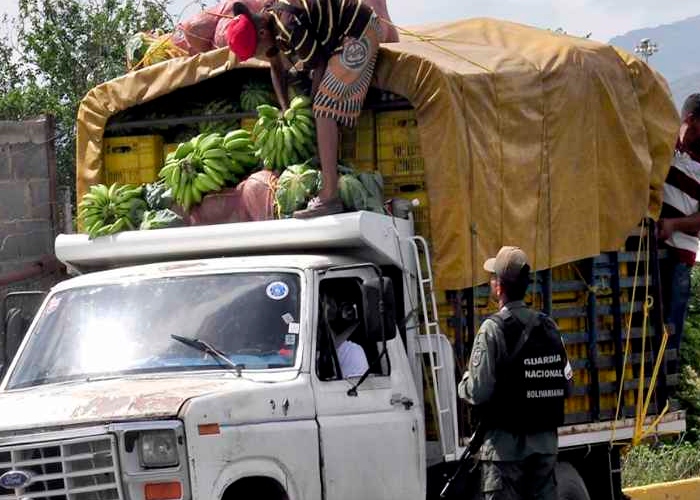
{"x":342,"y":320}
{"x":352,"y":359}
{"x":679,"y":224}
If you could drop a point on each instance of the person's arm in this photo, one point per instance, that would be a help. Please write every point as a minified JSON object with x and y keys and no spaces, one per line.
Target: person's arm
{"x":279,"y":80}
{"x":689,"y":225}
{"x":479,"y":385}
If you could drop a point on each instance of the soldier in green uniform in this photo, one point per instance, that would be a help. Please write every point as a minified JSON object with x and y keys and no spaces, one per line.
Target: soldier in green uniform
{"x":517,"y":380}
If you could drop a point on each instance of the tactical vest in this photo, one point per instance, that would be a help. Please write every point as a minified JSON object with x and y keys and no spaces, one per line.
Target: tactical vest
{"x":530,"y":382}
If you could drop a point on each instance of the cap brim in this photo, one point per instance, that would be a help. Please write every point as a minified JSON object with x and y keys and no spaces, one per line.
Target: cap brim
{"x":490,"y":265}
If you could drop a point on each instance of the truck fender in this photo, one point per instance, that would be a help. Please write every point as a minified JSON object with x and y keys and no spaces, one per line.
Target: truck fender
{"x":254,"y":467}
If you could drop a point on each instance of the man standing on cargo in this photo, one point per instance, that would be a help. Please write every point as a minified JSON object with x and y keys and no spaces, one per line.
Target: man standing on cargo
{"x":338,"y":42}
{"x":518,"y":378}
{"x":679,"y":224}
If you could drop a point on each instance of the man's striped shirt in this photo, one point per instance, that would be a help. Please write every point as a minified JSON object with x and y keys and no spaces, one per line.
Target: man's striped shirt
{"x":681,"y":199}
{"x":311,"y":30}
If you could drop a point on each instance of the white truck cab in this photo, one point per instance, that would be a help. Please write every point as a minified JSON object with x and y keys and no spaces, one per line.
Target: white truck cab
{"x":217,"y":377}
{"x":202,"y":363}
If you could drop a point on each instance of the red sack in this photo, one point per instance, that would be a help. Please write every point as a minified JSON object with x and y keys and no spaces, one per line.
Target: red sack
{"x":220,"y":33}
{"x":178,"y":38}
{"x":259,"y":195}
{"x":201,"y":29}
{"x":252,"y":200}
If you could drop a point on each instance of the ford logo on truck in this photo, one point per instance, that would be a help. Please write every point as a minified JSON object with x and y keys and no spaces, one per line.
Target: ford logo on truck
{"x":15,"y":479}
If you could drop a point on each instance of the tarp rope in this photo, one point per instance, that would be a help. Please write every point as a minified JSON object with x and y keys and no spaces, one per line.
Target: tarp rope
{"x":643,"y":401}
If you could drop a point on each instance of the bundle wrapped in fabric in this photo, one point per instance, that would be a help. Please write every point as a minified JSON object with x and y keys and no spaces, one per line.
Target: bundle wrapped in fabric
{"x":207,"y":29}
{"x":296,"y":186}
{"x":251,"y":200}
{"x":147,"y":48}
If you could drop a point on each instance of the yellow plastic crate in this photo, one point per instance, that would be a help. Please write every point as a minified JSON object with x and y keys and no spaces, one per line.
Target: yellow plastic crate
{"x":357,"y":144}
{"x":564,"y":273}
{"x":398,"y":144}
{"x":133,"y":160}
{"x":421,"y":213}
{"x":628,"y":398}
{"x":569,"y":297}
{"x":431,"y":431}
{"x":568,"y":325}
{"x":403,"y":184}
{"x":248,"y":123}
{"x":169,"y":148}
{"x":577,"y":404}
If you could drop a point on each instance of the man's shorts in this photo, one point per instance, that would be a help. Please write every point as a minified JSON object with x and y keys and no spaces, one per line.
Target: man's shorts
{"x":346,"y":81}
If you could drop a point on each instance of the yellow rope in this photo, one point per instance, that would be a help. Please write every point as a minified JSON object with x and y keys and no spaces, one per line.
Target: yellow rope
{"x":640,"y":406}
{"x":430,"y":40}
{"x":643,"y":400}
{"x":628,"y":333}
{"x":639,"y":436}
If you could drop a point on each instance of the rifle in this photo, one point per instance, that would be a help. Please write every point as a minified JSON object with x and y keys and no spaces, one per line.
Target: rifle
{"x":475,"y":443}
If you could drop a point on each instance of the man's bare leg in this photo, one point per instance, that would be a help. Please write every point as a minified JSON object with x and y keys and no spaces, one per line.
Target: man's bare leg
{"x":327,"y":202}
{"x":327,"y":138}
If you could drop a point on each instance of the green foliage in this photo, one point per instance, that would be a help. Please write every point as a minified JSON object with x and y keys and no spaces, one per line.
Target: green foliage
{"x":64,"y":48}
{"x":689,"y":390}
{"x":648,"y":464}
{"x":670,"y":461}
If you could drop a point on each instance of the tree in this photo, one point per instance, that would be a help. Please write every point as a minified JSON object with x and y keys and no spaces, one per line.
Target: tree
{"x":64,"y":48}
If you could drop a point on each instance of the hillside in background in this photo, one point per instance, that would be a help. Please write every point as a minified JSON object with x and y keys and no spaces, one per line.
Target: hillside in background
{"x":678,"y":58}
{"x":685,"y":86}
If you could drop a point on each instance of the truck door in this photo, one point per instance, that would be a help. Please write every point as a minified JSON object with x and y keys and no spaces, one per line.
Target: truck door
{"x":371,"y":442}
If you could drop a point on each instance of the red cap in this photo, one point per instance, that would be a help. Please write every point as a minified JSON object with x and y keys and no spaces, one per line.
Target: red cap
{"x":241,"y":37}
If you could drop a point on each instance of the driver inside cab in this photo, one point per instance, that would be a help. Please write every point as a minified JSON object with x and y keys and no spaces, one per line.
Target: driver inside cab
{"x":342,"y":319}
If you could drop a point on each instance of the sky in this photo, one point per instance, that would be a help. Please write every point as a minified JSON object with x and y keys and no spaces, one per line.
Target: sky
{"x":604,"y":18}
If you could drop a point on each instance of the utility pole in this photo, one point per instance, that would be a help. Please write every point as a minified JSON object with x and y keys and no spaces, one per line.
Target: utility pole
{"x":646,"y":48}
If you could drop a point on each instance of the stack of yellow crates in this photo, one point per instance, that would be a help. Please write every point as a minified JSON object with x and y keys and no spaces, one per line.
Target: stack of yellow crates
{"x":133,"y":159}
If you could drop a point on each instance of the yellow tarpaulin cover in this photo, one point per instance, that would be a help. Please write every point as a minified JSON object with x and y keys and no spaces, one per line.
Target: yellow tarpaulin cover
{"x":557,"y":144}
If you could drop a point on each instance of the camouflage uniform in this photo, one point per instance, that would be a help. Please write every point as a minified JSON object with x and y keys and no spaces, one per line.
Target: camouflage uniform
{"x":513,"y":466}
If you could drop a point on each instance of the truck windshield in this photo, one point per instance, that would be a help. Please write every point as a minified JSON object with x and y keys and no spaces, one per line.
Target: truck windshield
{"x":120,"y":329}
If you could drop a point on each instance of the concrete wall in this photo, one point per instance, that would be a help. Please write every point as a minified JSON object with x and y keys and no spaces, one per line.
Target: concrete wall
{"x":27,"y":220}
{"x":27,"y":192}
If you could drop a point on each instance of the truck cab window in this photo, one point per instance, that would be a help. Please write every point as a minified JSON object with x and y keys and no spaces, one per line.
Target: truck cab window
{"x":344,"y":350}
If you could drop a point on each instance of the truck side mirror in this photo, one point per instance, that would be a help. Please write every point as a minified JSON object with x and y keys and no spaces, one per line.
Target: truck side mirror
{"x":373,"y":290}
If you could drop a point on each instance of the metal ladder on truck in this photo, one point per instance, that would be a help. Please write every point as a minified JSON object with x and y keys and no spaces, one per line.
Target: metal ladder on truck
{"x":439,"y":351}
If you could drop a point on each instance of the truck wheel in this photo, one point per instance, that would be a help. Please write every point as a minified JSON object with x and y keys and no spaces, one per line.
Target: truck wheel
{"x":570,"y":485}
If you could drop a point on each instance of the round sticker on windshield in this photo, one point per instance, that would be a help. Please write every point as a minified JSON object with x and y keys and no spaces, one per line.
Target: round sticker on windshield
{"x":277,"y":290}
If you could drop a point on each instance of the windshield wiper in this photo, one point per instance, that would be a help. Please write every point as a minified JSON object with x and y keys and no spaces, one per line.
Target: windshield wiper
{"x":206,"y":347}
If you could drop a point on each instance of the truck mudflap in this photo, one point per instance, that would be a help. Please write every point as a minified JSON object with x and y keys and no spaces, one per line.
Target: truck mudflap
{"x":675,"y":490}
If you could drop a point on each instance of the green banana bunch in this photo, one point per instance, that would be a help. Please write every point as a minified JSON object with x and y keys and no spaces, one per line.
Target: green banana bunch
{"x":204,"y":164}
{"x":219,"y":107}
{"x":253,"y":94}
{"x":107,"y":210}
{"x":241,"y":150}
{"x":283,"y":139}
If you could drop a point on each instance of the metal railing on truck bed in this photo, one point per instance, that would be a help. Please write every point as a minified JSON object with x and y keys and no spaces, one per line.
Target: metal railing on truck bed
{"x":608,"y":309}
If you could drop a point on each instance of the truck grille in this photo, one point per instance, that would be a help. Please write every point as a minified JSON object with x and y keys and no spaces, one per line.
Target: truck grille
{"x":74,"y":469}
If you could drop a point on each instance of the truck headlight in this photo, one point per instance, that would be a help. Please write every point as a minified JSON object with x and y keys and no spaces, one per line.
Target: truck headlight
{"x":158,"y":448}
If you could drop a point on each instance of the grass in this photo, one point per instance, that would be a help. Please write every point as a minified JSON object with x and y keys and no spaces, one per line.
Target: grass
{"x":647,"y":464}
{"x":679,"y":459}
